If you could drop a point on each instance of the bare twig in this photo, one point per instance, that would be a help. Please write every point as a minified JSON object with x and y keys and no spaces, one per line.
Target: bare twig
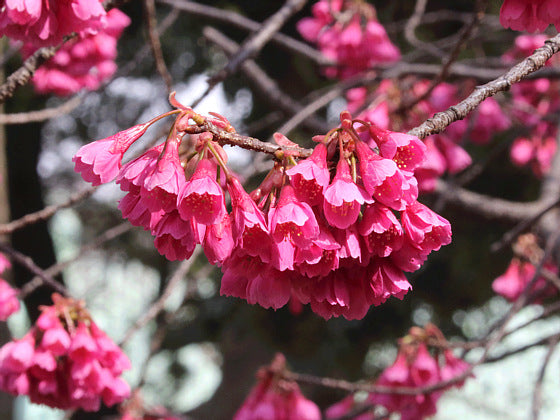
{"x":257,"y":41}
{"x":43,"y":114}
{"x":45,"y":213}
{"x":537,"y":393}
{"x":155,"y":44}
{"x":158,"y":305}
{"x":28,"y":264}
{"x":242,"y":22}
{"x":22,"y":76}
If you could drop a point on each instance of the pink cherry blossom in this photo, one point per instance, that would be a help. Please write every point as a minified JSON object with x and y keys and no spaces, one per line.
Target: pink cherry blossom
{"x":293,"y":219}
{"x":274,"y":398}
{"x":9,"y":302}
{"x":343,"y":198}
{"x":425,"y":229}
{"x":85,"y":62}
{"x":100,"y":162}
{"x":46,"y":22}
{"x":201,"y":197}
{"x":310,"y":176}
{"x":68,"y":367}
{"x":529,"y":15}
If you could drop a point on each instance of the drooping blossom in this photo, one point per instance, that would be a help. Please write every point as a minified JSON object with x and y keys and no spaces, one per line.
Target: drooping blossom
{"x":530,"y":15}
{"x":355,"y":44}
{"x":65,"y":361}
{"x":517,"y":276}
{"x":100,"y":162}
{"x":338,"y":240}
{"x":82,"y":63}
{"x":534,"y":104}
{"x":275,"y":398}
{"x":416,"y":367}
{"x":46,"y":22}
{"x":9,"y":302}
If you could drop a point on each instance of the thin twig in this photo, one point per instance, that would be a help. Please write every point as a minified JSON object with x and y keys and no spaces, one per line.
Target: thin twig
{"x":155,"y":44}
{"x":28,"y":264}
{"x":537,"y":392}
{"x":257,"y":40}
{"x":159,"y":304}
{"x":45,"y":213}
{"x":43,"y":114}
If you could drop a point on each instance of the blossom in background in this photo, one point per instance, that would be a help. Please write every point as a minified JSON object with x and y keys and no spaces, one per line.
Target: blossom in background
{"x":9,"y":302}
{"x":416,"y":367}
{"x":45,"y":22}
{"x":81,"y":63}
{"x":530,"y":15}
{"x":535,"y":103}
{"x":275,"y":398}
{"x":65,"y":361}
{"x":355,"y":43}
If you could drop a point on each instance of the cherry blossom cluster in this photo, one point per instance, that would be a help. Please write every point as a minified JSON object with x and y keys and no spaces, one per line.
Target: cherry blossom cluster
{"x":46,"y":22}
{"x":415,"y":367}
{"x":82,"y":63}
{"x":65,"y":361}
{"x":534,"y":102}
{"x":522,"y":270}
{"x":275,"y":398}
{"x":9,"y":302}
{"x":335,"y":230}
{"x":347,"y":32}
{"x":444,"y":151}
{"x":530,"y":15}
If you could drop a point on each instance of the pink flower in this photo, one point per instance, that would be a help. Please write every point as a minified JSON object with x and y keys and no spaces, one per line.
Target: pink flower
{"x":381,"y":230}
{"x":343,"y":198}
{"x":354,"y":46}
{"x":374,"y":169}
{"x":518,"y":274}
{"x":4,"y":263}
{"x":426,"y":230}
{"x":274,"y":398}
{"x":9,"y":302}
{"x":201,"y":197}
{"x":310,"y":176}
{"x":293,"y":220}
{"x":81,"y":63}
{"x":45,"y":22}
{"x":250,"y":230}
{"x":100,"y":162}
{"x":68,"y":367}
{"x":410,"y":369}
{"x":529,"y":15}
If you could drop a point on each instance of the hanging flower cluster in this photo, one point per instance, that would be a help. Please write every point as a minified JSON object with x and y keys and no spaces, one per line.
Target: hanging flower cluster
{"x":521,"y":272}
{"x":415,"y":367}
{"x":334,"y":230}
{"x":46,"y":22}
{"x":65,"y":361}
{"x":534,"y":103}
{"x":9,"y":302}
{"x":84,"y":62}
{"x":347,"y":32}
{"x":275,"y":398}
{"x":530,"y":15}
